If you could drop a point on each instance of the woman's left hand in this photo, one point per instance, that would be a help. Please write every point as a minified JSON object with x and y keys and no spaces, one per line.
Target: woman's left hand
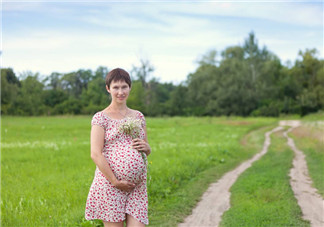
{"x":141,"y":145}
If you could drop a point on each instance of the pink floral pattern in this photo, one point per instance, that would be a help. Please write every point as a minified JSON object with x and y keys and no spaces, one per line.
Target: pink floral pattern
{"x":106,"y":202}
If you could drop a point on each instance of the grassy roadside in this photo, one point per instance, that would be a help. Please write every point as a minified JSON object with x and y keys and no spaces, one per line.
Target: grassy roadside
{"x":262,"y":195}
{"x":309,"y":139}
{"x":178,"y":206}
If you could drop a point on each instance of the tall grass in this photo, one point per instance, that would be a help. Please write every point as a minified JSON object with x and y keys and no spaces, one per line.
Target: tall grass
{"x":47,"y":170}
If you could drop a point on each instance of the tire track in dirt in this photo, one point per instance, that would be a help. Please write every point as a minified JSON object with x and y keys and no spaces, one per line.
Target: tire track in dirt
{"x":216,"y":200}
{"x":310,"y":202}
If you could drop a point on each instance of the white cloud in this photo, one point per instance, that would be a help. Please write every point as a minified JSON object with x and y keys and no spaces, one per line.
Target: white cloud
{"x":297,"y":13}
{"x":172,"y":34}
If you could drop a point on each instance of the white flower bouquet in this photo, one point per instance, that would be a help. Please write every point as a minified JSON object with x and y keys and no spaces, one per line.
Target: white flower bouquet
{"x":132,"y":127}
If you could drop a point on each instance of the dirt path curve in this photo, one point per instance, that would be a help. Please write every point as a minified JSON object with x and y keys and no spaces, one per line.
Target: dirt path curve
{"x":216,"y":200}
{"x":310,"y":202}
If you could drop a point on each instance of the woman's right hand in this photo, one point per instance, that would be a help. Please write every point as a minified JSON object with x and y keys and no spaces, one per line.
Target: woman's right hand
{"x":124,"y":185}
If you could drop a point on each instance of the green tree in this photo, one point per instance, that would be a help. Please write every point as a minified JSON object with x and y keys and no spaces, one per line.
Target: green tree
{"x":210,"y":58}
{"x":9,"y":90}
{"x":30,"y":96}
{"x":143,"y":71}
{"x":308,"y":70}
{"x":158,"y":95}
{"x":52,"y":98}
{"x":75,"y":82}
{"x":69,"y":106}
{"x":101,"y":72}
{"x":178,"y":104}
{"x":53,"y":81}
{"x":136,"y":99}
{"x":203,"y":86}
{"x":95,"y":97}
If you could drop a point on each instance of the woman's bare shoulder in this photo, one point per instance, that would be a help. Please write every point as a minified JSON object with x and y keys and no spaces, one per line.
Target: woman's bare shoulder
{"x":134,"y":113}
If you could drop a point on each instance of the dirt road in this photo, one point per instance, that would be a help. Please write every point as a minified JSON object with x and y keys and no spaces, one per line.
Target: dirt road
{"x":216,"y":200}
{"x":310,"y":202}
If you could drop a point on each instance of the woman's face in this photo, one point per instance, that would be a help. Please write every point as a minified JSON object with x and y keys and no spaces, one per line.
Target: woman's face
{"x":119,"y":91}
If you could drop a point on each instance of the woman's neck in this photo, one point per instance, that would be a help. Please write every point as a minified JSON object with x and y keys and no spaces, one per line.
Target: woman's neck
{"x":118,"y":106}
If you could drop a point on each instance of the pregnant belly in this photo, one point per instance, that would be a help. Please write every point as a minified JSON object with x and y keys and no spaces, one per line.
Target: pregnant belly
{"x":127,"y":164}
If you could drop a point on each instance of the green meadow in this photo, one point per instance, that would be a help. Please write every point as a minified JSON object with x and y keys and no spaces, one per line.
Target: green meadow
{"x":46,"y":169}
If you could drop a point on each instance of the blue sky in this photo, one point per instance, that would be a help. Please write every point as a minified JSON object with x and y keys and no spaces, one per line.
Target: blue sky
{"x":65,"y":36}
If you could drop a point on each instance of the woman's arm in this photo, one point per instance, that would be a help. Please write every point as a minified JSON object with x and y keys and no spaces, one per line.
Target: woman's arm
{"x":97,"y":143}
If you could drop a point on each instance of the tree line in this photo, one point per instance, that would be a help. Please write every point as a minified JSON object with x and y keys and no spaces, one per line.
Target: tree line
{"x":242,"y":80}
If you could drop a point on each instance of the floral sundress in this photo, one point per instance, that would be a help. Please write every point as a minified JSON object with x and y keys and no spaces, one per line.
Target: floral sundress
{"x":106,"y":202}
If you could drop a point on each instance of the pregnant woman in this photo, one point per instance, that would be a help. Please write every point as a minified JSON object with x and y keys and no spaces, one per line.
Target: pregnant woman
{"x":118,"y":192}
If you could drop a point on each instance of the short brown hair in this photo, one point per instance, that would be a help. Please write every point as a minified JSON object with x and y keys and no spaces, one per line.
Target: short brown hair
{"x":118,"y":74}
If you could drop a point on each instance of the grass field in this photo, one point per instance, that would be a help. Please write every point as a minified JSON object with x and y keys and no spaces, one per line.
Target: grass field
{"x":262,"y":195}
{"x":47,"y":170}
